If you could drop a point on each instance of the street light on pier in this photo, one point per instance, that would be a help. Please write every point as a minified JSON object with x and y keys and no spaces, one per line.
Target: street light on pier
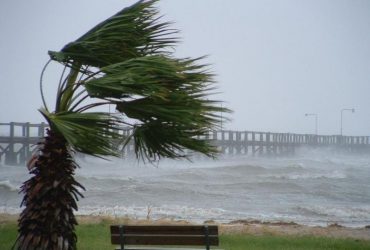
{"x":316,"y":118}
{"x":341,"y":118}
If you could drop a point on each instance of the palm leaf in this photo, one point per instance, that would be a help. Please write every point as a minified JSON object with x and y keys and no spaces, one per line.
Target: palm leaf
{"x":169,"y":99}
{"x":156,"y":87}
{"x":156,"y":139}
{"x":92,"y":133}
{"x":148,"y":76}
{"x":133,"y":32}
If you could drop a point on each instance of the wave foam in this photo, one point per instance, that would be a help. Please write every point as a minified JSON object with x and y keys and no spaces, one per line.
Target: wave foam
{"x":9,"y":186}
{"x":313,"y":175}
{"x":154,"y":212}
{"x":355,"y":213}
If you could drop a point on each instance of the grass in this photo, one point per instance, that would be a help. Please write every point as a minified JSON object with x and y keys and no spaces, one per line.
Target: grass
{"x":97,"y":237}
{"x":244,"y":242}
{"x":8,"y":234}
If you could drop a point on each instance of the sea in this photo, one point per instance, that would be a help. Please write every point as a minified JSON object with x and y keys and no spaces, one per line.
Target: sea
{"x":314,"y":187}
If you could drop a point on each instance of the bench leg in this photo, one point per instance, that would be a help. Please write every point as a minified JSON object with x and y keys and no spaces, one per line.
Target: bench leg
{"x":121,"y":237}
{"x":206,"y":233}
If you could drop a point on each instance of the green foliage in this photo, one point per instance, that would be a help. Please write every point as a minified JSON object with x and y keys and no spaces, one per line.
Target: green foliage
{"x":154,"y":139}
{"x":155,"y":76}
{"x":125,"y":61}
{"x":167,"y":96}
{"x":89,"y":132}
{"x":133,"y":32}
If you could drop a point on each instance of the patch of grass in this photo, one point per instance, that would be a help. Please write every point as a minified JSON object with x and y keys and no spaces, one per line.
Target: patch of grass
{"x":243,"y":242}
{"x":8,"y":235}
{"x":96,"y":236}
{"x":93,"y":237}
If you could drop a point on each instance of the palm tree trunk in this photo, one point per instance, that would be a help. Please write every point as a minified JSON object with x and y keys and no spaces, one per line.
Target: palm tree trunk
{"x":50,"y":197}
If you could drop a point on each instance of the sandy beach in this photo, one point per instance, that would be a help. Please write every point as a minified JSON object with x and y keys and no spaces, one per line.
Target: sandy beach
{"x":251,"y":227}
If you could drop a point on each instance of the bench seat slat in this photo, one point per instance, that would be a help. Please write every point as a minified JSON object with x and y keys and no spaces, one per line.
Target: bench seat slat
{"x":183,"y":240}
{"x":155,"y":229}
{"x":160,"y":237}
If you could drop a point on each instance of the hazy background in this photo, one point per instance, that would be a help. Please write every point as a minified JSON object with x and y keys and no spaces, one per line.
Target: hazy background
{"x":275,"y":60}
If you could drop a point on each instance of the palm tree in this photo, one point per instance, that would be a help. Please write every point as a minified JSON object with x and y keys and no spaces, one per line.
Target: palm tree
{"x":126,"y":61}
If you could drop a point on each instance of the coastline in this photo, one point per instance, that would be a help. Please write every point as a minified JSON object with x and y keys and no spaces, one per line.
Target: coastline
{"x":250,"y":227}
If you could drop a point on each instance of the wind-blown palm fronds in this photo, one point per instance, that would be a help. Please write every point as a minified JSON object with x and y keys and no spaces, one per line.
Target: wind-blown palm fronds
{"x":133,"y":32}
{"x":161,"y":92}
{"x":125,"y":61}
{"x":91,"y":133}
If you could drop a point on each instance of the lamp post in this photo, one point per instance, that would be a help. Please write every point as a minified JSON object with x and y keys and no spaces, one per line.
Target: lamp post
{"x":341,"y":118}
{"x":316,"y":118}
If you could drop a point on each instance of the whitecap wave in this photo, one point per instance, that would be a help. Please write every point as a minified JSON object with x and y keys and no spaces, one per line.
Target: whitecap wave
{"x":309,"y":175}
{"x":337,"y":212}
{"x":7,"y":185}
{"x":155,"y":212}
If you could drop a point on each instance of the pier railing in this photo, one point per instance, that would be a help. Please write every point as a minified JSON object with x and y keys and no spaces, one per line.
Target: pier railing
{"x":18,"y":140}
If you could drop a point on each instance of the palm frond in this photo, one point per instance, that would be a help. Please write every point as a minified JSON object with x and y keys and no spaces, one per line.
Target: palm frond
{"x":132,"y":69}
{"x":133,"y":32}
{"x":149,"y":76}
{"x":169,"y":98}
{"x":92,"y":133}
{"x":157,"y":87}
{"x":156,"y":139}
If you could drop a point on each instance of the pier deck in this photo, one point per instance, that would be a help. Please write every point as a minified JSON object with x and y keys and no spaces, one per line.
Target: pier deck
{"x":18,"y":140}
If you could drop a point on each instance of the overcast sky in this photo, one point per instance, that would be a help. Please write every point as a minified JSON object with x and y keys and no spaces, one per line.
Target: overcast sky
{"x":275,"y":60}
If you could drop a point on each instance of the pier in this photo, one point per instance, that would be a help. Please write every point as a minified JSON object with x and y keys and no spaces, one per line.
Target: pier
{"x":18,"y":141}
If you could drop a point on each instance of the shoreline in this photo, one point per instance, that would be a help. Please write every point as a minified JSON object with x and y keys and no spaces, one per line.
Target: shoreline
{"x":250,"y":227}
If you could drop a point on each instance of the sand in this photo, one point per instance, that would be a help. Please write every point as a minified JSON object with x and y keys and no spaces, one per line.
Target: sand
{"x":251,"y":227}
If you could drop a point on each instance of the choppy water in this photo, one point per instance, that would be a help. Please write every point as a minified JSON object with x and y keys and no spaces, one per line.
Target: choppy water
{"x":312,"y":189}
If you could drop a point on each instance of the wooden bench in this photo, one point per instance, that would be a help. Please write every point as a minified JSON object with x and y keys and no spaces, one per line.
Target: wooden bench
{"x":166,"y":236}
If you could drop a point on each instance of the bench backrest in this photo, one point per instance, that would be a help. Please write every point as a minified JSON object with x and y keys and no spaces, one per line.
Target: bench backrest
{"x":178,"y":235}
